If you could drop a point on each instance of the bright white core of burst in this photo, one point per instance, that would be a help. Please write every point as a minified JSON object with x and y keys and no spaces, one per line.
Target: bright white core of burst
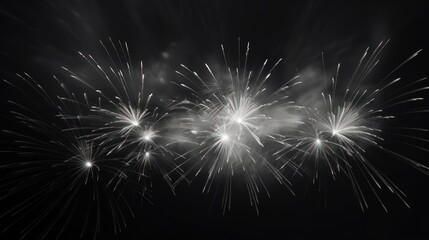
{"x":146,"y":137}
{"x":318,"y":141}
{"x":134,"y":123}
{"x":224,"y":137}
{"x":146,"y":154}
{"x":239,"y":120}
{"x":88,"y":164}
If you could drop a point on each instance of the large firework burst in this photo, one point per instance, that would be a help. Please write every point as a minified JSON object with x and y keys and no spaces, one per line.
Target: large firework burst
{"x":229,"y":120}
{"x":122,"y":120}
{"x":351,"y":119}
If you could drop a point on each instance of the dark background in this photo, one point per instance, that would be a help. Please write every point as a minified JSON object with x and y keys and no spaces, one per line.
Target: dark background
{"x":40,"y":36}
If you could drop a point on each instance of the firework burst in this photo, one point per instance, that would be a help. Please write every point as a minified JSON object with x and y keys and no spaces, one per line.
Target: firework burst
{"x":228,"y":122}
{"x":63,"y":174}
{"x":352,"y":119}
{"x":232,"y":128}
{"x":125,"y":123}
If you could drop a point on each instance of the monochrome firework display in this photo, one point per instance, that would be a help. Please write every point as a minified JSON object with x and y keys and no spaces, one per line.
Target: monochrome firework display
{"x":214,"y":120}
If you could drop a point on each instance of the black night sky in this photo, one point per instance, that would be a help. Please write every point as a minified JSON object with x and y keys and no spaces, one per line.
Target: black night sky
{"x":38,"y":37}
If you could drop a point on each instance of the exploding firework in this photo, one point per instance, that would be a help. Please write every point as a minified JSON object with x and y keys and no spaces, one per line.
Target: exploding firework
{"x":232,"y":128}
{"x":63,"y":176}
{"x":229,"y":120}
{"x":125,"y":124}
{"x":352,"y":119}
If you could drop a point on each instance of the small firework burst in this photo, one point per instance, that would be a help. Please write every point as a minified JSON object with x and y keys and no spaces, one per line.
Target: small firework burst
{"x":62,"y":173}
